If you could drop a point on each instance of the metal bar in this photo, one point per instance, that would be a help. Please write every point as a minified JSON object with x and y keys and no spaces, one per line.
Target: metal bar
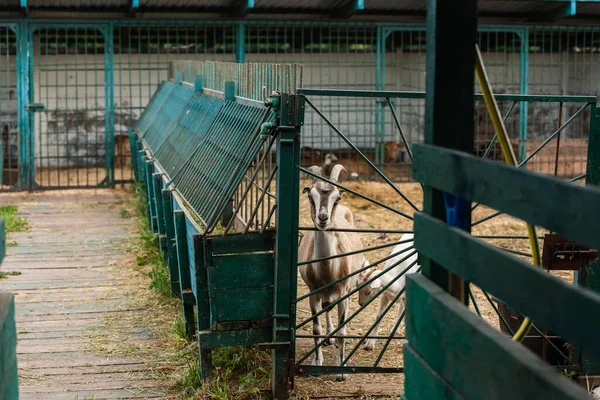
{"x":397,"y":121}
{"x":354,"y":192}
{"x":421,"y":95}
{"x":260,"y":200}
{"x":560,"y":112}
{"x":383,"y":246}
{"x":324,"y":370}
{"x":356,"y":230}
{"x":381,"y":174}
{"x":474,"y":301}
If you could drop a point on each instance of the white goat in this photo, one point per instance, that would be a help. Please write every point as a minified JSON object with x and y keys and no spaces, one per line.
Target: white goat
{"x":392,"y":291}
{"x":326,"y":214}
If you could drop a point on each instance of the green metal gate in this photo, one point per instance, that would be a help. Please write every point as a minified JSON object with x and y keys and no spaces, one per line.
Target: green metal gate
{"x":9,"y":120}
{"x":70,"y":93}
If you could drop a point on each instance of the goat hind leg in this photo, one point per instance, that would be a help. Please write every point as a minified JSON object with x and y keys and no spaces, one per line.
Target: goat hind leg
{"x":370,"y":343}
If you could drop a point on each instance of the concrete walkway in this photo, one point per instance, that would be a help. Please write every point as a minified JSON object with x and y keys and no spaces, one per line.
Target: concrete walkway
{"x":75,"y":313}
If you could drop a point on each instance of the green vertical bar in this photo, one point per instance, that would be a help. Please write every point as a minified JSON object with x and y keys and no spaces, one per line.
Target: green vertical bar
{"x":449,"y":83}
{"x":109,"y":104}
{"x":240,"y":39}
{"x":167,"y":206}
{"x":158,"y":210}
{"x":150,"y":194}
{"x":524,"y":89}
{"x":591,"y":279}
{"x":202,"y":303}
{"x":25,"y":158}
{"x":183,"y":265}
{"x":133,"y":149}
{"x":286,"y":259}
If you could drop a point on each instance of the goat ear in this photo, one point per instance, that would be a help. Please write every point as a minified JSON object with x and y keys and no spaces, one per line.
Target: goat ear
{"x":305,"y":190}
{"x":376,"y":284}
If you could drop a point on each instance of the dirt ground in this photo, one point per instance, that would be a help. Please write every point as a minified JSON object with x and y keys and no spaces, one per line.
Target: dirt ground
{"x":371,"y":216}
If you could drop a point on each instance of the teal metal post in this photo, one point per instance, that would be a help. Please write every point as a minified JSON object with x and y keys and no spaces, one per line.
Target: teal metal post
{"x":167,"y":206}
{"x":25,"y":162}
{"x":240,"y":42}
{"x":202,"y":303}
{"x":185,"y":283}
{"x":109,"y":104}
{"x":524,"y":89}
{"x":158,"y":209}
{"x":591,"y":278}
{"x":150,"y":194}
{"x":286,"y":252}
{"x":449,"y":83}
{"x":134,"y":152}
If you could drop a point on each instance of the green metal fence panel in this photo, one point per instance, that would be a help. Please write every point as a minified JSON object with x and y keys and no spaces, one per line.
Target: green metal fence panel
{"x":207,"y":190}
{"x":9,"y":115}
{"x":168,"y":115}
{"x":69,"y":90}
{"x":188,"y":133}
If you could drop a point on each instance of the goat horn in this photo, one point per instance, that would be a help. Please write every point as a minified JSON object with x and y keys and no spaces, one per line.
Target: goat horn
{"x":335,"y":172}
{"x":315,"y":169}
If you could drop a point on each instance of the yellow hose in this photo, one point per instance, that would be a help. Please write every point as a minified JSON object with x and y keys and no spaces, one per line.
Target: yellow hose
{"x":509,"y":157}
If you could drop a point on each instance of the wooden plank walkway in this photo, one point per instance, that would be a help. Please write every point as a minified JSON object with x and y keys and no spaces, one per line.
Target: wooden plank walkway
{"x":72,"y":282}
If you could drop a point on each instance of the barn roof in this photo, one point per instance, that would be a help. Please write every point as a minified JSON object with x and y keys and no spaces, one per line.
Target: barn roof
{"x":490,"y":11}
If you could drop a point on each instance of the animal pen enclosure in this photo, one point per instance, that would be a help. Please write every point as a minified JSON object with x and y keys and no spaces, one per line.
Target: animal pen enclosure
{"x":217,"y":211}
{"x":68,"y":99}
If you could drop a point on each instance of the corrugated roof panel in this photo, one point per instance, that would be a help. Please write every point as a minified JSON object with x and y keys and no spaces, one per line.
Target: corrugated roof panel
{"x":515,"y":7}
{"x":9,"y":3}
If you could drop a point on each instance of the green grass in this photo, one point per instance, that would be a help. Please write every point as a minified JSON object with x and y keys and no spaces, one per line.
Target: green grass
{"x":14,"y":223}
{"x":148,"y":253}
{"x":6,"y":274}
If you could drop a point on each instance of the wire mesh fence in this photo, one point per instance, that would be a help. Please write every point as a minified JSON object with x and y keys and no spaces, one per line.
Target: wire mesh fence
{"x":360,"y":56}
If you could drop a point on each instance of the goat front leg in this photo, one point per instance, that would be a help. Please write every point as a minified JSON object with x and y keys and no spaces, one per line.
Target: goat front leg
{"x":330,"y":328}
{"x":315,"y":307}
{"x":342,"y":311}
{"x":370,"y":343}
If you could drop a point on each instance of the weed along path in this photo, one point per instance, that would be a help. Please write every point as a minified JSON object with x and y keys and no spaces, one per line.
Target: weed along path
{"x":85,"y":320}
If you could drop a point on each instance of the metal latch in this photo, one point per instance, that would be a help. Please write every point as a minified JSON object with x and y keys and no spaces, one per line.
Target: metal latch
{"x":35,"y":107}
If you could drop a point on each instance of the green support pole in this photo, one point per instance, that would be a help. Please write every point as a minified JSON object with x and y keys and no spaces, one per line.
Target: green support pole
{"x":202,"y":304}
{"x":24,"y":161}
{"x":591,"y":278}
{"x":286,"y":258}
{"x":448,"y":83}
{"x":240,"y":42}
{"x":185,"y":284}
{"x":524,"y":89}
{"x":150,"y":194}
{"x":134,"y":150}
{"x":109,"y":104}
{"x":158,"y":209}
{"x":167,"y":206}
